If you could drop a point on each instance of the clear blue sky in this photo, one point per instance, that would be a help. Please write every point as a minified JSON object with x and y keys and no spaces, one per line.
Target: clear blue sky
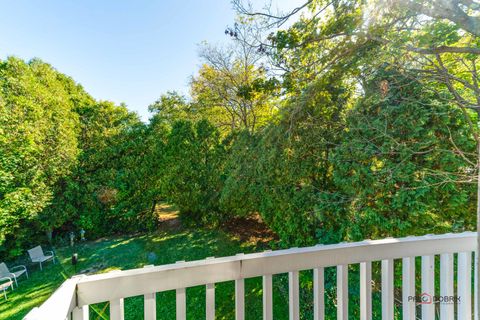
{"x":124,"y":51}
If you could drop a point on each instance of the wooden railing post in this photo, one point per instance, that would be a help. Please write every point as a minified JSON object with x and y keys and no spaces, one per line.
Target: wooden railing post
{"x":80,"y":313}
{"x":293,"y":295}
{"x":342,"y":292}
{"x":428,"y":287}
{"x":408,"y":288}
{"x":464,"y":286}
{"x":366,"y":290}
{"x":117,"y":310}
{"x":387,"y":289}
{"x":240,"y":297}
{"x":446,"y":286}
{"x":318,"y":294}
{"x":150,"y":304}
{"x":210,"y":299}
{"x":61,"y":304}
{"x":267,"y":298}
{"x":181,"y":302}
{"x":475,"y":286}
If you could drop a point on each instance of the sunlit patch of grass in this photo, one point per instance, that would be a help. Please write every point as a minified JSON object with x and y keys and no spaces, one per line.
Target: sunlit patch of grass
{"x":133,"y":252}
{"x":31,"y":292}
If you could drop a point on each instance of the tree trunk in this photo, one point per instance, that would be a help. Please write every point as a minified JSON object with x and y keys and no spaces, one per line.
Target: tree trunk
{"x":49,"y":235}
{"x":154,"y":205}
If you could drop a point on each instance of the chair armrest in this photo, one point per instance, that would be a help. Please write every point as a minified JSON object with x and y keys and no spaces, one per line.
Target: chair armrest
{"x":5,"y":279}
{"x":51,"y":252}
{"x":19,"y":267}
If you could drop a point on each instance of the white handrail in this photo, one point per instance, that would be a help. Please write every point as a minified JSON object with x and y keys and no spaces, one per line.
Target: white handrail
{"x":59,"y":305}
{"x":129,"y":283}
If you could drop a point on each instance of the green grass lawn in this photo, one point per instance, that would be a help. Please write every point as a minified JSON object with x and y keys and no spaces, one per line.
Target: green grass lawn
{"x":132,"y":252}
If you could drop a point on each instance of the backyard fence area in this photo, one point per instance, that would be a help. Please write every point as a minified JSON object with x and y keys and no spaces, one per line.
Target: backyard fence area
{"x":72,"y":299}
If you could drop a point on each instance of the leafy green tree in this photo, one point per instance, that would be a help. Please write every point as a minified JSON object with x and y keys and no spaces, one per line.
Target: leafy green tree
{"x":139,"y":176}
{"x":38,"y":141}
{"x":231,"y":91}
{"x":434,"y":42}
{"x":92,"y":191}
{"x":398,"y":165}
{"x":239,"y":196}
{"x":192,"y":169}
{"x":172,"y":107}
{"x":280,"y":171}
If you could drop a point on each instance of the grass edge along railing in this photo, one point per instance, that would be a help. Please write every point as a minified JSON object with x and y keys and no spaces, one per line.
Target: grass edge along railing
{"x":71,"y":300}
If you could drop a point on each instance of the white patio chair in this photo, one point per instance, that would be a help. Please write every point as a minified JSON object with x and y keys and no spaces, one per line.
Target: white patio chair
{"x":36,"y":255}
{"x":14,"y":272}
{"x":5,"y":283}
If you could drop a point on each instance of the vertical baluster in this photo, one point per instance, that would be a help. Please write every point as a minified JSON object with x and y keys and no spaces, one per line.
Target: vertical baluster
{"x":80,"y":313}
{"x":366,"y":290}
{"x":116,"y":310}
{"x":475,"y":287}
{"x":446,"y":286}
{"x":267,"y":298}
{"x":240,"y":297}
{"x":387,"y":289}
{"x":318,"y":294}
{"x":293,"y":295}
{"x":464,"y":275}
{"x":181,"y":302}
{"x":342,"y":292}
{"x":210,"y":299}
{"x":428,"y":287}
{"x":408,"y":288}
{"x":149,"y":304}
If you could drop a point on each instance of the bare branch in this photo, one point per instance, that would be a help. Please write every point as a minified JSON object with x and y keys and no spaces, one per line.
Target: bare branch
{"x":445,"y":9}
{"x":444,"y":49}
{"x":279,"y":19}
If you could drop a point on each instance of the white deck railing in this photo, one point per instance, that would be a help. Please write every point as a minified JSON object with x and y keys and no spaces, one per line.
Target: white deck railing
{"x":71,"y":300}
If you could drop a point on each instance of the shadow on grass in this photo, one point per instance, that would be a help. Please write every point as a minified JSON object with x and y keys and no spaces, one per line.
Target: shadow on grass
{"x":158,"y":248}
{"x":31,"y":292}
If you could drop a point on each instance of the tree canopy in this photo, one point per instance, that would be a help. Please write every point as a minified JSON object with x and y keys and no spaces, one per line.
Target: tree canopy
{"x":357,"y":119}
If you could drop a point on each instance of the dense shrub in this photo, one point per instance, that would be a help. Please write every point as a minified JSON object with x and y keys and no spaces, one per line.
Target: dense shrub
{"x":383,"y":167}
{"x":399,"y":167}
{"x":239,"y":196}
{"x":280,"y":171}
{"x":192,"y":170}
